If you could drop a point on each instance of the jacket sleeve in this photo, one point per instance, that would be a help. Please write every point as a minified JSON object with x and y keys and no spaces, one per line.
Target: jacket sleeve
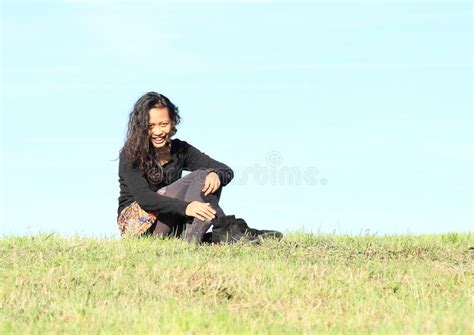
{"x":146,"y":198}
{"x":196,"y":159}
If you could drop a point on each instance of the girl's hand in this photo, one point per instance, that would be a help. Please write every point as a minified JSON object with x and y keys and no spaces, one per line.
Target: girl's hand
{"x":211,"y":184}
{"x":200,"y":210}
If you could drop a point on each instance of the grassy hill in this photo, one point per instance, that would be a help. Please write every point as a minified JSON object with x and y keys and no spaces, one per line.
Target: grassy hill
{"x":306,"y":283}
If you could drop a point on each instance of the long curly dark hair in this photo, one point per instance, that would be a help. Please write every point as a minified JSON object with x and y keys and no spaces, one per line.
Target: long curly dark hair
{"x":138,"y":149}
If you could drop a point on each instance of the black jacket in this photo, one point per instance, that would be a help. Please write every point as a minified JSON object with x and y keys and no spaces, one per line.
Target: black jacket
{"x":135,"y":186}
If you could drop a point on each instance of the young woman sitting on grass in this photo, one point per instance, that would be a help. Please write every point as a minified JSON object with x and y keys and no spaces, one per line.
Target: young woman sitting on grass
{"x":154,"y":198}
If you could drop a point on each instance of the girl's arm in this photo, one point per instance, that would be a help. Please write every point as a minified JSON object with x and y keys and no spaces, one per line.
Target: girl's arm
{"x":148,"y":200}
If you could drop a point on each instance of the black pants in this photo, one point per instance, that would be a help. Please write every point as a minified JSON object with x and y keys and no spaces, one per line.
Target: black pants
{"x":188,"y":188}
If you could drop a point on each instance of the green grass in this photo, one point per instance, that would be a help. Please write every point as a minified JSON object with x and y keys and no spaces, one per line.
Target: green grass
{"x":305,"y":283}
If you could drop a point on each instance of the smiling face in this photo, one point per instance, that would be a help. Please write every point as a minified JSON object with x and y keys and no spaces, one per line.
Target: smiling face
{"x":159,"y":126}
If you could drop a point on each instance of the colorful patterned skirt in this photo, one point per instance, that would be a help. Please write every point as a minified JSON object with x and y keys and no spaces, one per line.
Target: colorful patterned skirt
{"x":134,"y":221}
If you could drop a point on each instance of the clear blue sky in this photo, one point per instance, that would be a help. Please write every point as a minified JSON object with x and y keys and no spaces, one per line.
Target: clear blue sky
{"x":369,"y":102}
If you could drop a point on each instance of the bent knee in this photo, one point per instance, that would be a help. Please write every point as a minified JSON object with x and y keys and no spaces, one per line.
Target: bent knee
{"x":198,"y":176}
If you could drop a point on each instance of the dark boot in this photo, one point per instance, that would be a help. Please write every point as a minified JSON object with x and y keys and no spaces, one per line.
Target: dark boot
{"x":207,"y":238}
{"x":228,"y":230}
{"x":258,"y":233}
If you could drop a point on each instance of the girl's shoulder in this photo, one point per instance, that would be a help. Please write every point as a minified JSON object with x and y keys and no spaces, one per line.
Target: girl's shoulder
{"x":177,"y":141}
{"x":179,"y":145}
